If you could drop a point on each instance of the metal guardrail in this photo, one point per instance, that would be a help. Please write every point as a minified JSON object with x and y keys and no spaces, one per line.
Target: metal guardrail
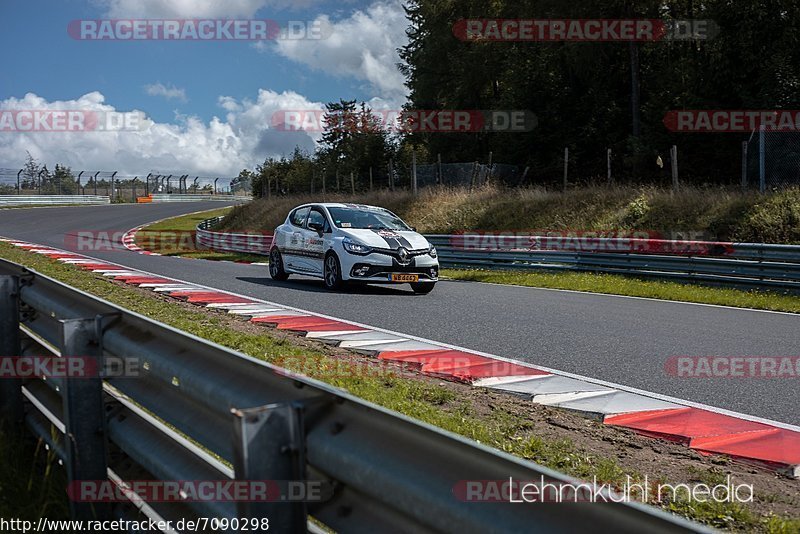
{"x":156,"y":198}
{"x":750,"y":265}
{"x":250,"y":243}
{"x":199,"y":411}
{"x":23,"y":200}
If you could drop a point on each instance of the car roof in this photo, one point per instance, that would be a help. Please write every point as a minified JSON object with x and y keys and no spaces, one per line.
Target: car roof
{"x":343,"y":205}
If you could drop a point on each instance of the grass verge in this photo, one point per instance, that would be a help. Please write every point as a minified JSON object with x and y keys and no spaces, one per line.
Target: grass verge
{"x":553,"y":438}
{"x":712,"y":213}
{"x":633,"y":287}
{"x":176,"y":237}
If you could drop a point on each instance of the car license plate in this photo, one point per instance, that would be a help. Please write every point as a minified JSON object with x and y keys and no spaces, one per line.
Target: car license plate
{"x":404,"y":277}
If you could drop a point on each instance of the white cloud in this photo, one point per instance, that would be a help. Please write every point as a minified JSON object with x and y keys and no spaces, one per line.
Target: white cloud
{"x":193,"y":8}
{"x":363,"y":46}
{"x":181,"y":8}
{"x":171,"y":92}
{"x":243,"y":138}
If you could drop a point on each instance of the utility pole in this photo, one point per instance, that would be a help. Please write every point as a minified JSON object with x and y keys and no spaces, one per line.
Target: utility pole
{"x":414,"y":172}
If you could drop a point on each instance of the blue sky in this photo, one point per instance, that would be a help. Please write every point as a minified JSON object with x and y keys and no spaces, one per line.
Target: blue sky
{"x":210,"y":101}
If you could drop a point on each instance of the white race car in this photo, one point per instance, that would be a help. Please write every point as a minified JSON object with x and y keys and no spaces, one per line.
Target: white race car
{"x":352,"y":243}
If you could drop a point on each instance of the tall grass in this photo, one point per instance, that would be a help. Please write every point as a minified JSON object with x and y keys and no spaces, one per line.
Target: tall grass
{"x":32,"y":483}
{"x":715,"y":212}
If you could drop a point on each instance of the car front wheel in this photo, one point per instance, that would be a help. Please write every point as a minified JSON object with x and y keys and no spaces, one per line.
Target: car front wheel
{"x":332,"y":272}
{"x":422,"y":288}
{"x":276,"y":270}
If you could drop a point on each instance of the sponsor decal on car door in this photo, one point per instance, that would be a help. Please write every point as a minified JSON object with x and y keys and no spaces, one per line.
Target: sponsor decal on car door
{"x":313,"y":243}
{"x":293,"y":253}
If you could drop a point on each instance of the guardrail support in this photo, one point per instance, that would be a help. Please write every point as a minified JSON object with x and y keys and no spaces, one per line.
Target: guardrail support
{"x":269,"y":445}
{"x":11,"y":407}
{"x":84,"y":414}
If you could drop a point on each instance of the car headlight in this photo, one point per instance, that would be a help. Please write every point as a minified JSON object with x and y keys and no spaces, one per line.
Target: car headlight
{"x":432,"y":252}
{"x":354,"y":247}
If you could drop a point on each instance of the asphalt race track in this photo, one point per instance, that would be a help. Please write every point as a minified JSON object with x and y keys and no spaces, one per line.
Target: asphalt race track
{"x":617,"y":339}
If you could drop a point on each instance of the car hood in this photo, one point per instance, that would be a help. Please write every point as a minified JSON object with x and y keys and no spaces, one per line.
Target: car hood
{"x":391,"y":239}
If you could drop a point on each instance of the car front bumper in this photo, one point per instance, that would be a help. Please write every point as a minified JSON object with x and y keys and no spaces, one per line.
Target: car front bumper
{"x":379,"y":268}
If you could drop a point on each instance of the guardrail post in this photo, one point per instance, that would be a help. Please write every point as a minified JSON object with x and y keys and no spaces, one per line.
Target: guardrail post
{"x":11,"y":407}
{"x":269,"y":445}
{"x":84,"y":414}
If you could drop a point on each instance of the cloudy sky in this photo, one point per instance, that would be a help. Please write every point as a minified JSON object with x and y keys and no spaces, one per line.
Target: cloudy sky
{"x":208,"y":104}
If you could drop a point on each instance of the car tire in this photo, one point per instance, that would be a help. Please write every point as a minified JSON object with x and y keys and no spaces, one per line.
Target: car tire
{"x":423,"y":288}
{"x":276,"y":270}
{"x":332,"y":272}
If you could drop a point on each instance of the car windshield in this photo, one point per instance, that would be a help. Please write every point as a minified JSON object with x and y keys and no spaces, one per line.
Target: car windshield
{"x":373,"y":219}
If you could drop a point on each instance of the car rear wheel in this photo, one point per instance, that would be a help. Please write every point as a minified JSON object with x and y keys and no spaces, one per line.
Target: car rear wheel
{"x":332,"y":272}
{"x":276,"y":266}
{"x":423,"y":288}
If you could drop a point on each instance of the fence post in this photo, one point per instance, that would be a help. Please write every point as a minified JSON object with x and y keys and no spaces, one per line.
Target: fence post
{"x":674,"y":162}
{"x":391,"y":175}
{"x":337,"y":180}
{"x":608,"y":164}
{"x":95,"y":182}
{"x":762,"y":178}
{"x":269,"y":445}
{"x":489,"y":172}
{"x":414,"y":172}
{"x":525,"y":174}
{"x":352,"y":183}
{"x":323,"y":183}
{"x":744,"y":166}
{"x":79,"y":180}
{"x":133,"y":194}
{"x":439,"y":177}
{"x":11,"y":407}
{"x":19,"y":187}
{"x":313,"y":177}
{"x":215,"y":185}
{"x":113,"y":186}
{"x":84,"y":413}
{"x":566,"y":168}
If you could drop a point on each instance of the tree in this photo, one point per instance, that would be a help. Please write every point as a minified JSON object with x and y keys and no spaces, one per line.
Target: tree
{"x":30,"y":173}
{"x":243,"y":182}
{"x":62,"y":182}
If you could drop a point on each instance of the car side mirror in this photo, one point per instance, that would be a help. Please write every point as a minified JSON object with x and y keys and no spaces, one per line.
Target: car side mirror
{"x":316,"y":227}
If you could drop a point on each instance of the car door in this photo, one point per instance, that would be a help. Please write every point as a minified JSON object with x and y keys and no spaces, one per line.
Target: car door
{"x":293,"y":251}
{"x":314,"y":244}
